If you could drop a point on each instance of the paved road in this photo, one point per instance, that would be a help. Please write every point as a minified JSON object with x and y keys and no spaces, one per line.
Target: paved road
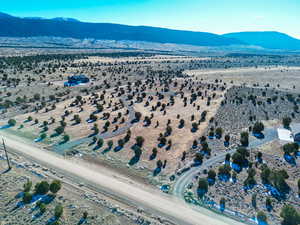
{"x":147,"y":198}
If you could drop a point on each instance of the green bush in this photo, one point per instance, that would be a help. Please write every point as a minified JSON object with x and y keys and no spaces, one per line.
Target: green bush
{"x":258,"y":127}
{"x":55,"y":186}
{"x":12,"y":122}
{"x":27,"y":186}
{"x":42,"y":188}
{"x":27,"y":197}
{"x":58,"y":211}
{"x":261,"y":216}
{"x":290,"y":215}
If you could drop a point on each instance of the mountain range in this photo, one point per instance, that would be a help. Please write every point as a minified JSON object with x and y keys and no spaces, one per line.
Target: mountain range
{"x":11,"y":26}
{"x":267,"y":39}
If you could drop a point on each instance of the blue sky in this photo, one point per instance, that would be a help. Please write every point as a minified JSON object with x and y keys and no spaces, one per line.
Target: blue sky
{"x":216,"y":16}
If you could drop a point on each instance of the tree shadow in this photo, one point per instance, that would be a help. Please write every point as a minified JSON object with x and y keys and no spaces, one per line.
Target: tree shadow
{"x":224,"y":177}
{"x":92,"y":143}
{"x":82,"y":221}
{"x":39,"y":139}
{"x":44,"y":130}
{"x":134,"y":121}
{"x":236,"y":167}
{"x":211,"y":182}
{"x":104,"y":131}
{"x":193,"y":130}
{"x":276,"y":193}
{"x":258,"y":135}
{"x":47,"y":199}
{"x":106,"y":150}
{"x":118,"y":148}
{"x":260,"y":222}
{"x":92,"y":135}
{"x":19,"y":195}
{"x":54,"y":135}
{"x":97,"y":147}
{"x":290,"y":159}
{"x":152,"y":156}
{"x":218,"y":136}
{"x":168,"y":147}
{"x":156,"y":171}
{"x":160,"y":145}
{"x":5,"y":126}
{"x":222,"y":207}
{"x":51,"y":220}
{"x":196,"y":163}
{"x":269,"y":208}
{"x":134,"y":160}
{"x":62,"y":142}
{"x":201,"y":192}
{"x":147,"y":124}
{"x":226,"y":143}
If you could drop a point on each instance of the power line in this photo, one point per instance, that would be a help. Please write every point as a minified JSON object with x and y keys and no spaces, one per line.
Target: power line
{"x":7,"y":159}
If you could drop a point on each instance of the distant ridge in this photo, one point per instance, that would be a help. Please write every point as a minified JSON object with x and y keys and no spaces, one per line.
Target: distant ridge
{"x":61,"y":27}
{"x":4,"y":15}
{"x":11,"y":26}
{"x":65,"y":19}
{"x":267,"y":39}
{"x":55,"y":19}
{"x":33,"y":18}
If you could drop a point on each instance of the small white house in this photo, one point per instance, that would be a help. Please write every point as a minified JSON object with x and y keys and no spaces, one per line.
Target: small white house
{"x":285,"y":135}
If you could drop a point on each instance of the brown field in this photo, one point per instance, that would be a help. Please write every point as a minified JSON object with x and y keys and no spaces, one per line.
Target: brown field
{"x":284,"y":76}
{"x":234,"y":92}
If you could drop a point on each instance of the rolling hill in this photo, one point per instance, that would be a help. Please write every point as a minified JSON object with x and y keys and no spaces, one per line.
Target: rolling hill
{"x":11,"y":26}
{"x":32,"y":27}
{"x":267,"y":39}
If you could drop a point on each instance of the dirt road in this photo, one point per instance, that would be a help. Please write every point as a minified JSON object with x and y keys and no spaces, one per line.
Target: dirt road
{"x":146,"y":198}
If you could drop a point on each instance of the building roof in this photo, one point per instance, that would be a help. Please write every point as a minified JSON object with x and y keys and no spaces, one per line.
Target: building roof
{"x":285,"y":135}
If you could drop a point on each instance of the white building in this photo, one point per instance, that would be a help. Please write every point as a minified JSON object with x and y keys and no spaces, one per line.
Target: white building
{"x":285,"y":135}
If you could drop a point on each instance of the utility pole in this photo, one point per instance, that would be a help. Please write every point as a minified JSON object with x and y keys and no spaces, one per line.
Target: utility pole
{"x":7,"y":159}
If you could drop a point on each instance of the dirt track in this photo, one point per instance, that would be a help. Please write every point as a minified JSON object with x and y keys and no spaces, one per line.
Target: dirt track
{"x":146,"y":198}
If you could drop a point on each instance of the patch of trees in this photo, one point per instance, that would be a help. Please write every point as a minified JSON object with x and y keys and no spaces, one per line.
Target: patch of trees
{"x":40,"y":188}
{"x":277,"y":178}
{"x":286,"y":121}
{"x":258,"y":127}
{"x":244,"y":139}
{"x":290,"y":215}
{"x":291,"y":148}
{"x":240,"y":156}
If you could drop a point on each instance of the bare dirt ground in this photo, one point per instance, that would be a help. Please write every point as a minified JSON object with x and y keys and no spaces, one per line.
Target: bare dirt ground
{"x":287,"y":78}
{"x":75,"y":200}
{"x":73,"y":129}
{"x":145,"y":198}
{"x":233,"y":92}
{"x":137,"y":60}
{"x":181,"y":137}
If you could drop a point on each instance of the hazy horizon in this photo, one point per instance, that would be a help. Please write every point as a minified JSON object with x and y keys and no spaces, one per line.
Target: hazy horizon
{"x":219,"y":16}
